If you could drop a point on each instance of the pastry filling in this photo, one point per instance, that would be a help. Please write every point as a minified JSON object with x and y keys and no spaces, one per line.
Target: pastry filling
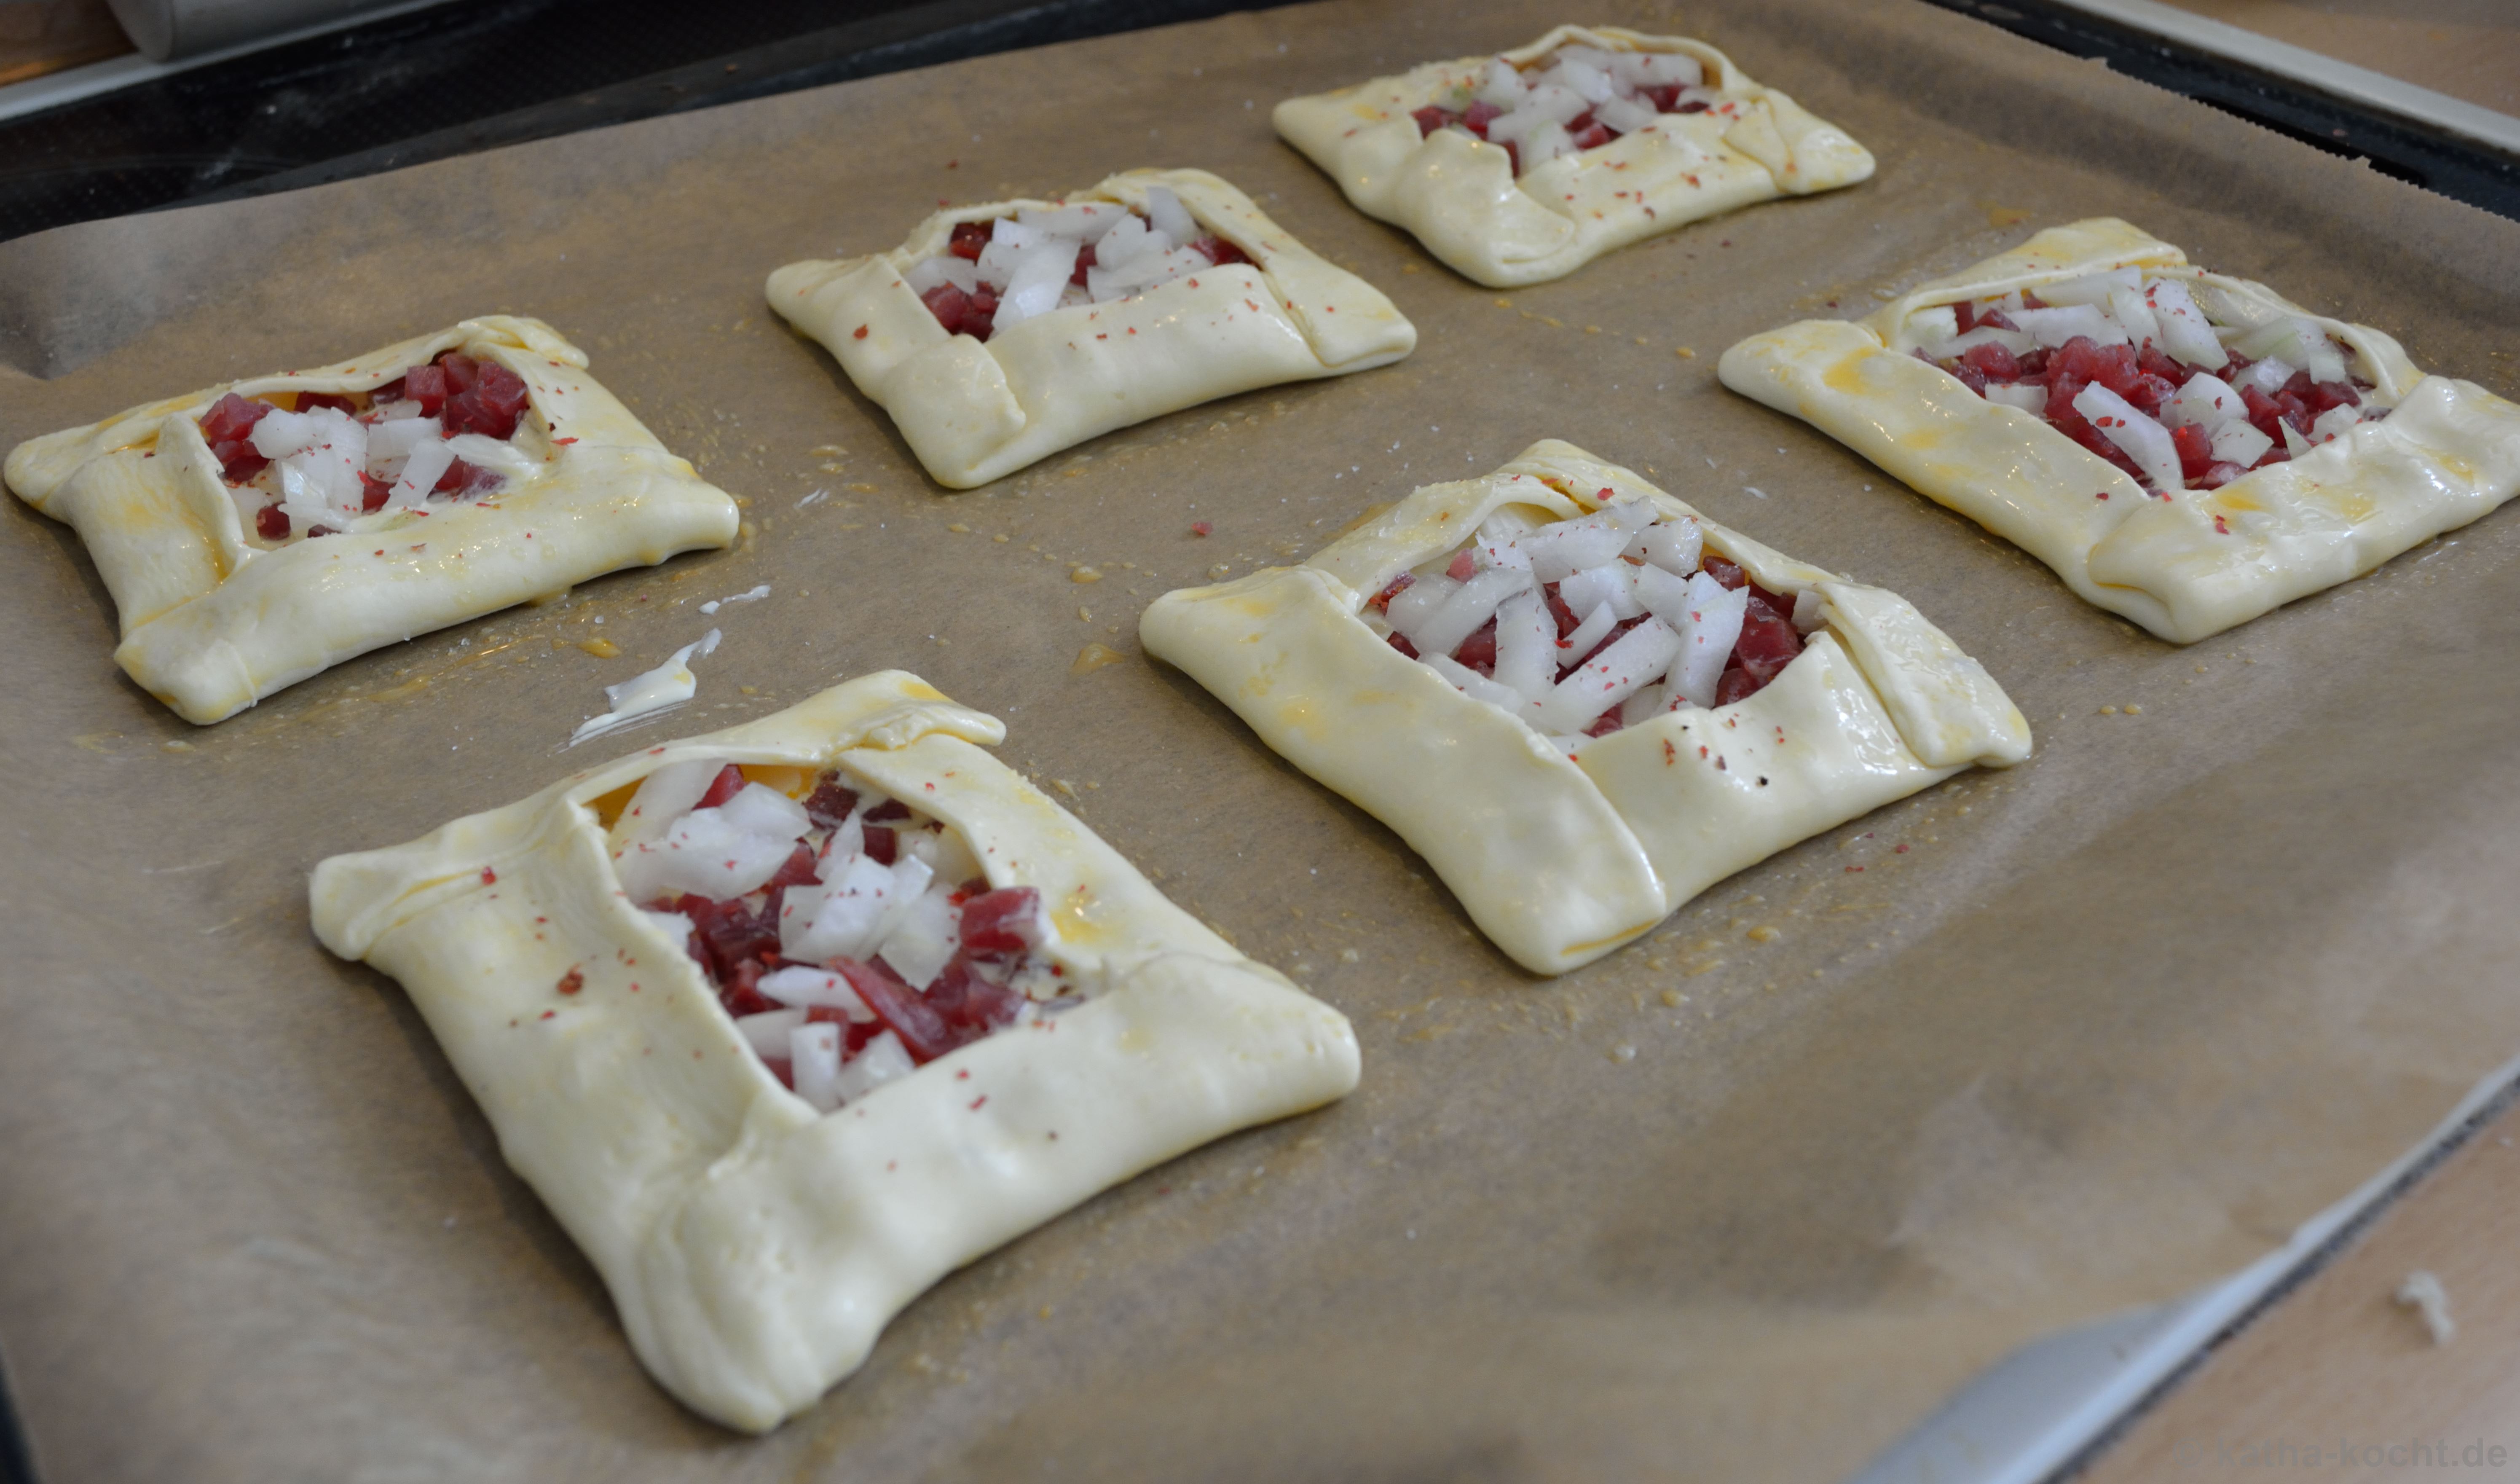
{"x":439,"y":433}
{"x":2175,"y":382}
{"x":1585,"y":625}
{"x":852,"y":937}
{"x":994,"y":274}
{"x":1577,"y":97}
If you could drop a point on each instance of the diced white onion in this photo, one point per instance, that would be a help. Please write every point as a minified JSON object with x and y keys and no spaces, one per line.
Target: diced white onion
{"x":1170,"y":216}
{"x":1711,"y":626}
{"x":1671,"y":545}
{"x":768,"y":1031}
{"x":1810,"y":612}
{"x":801,"y":986}
{"x":663,"y":797}
{"x":932,"y":273}
{"x":878,"y":1061}
{"x":2018,"y":341}
{"x":1931,"y":328}
{"x":2207,"y":401}
{"x":2334,"y":423}
{"x":1526,"y":659}
{"x":2092,"y":288}
{"x":2135,"y":317}
{"x":1612,"y":582}
{"x":1418,"y":603}
{"x":2185,"y":337}
{"x":703,"y":853}
{"x":2266,"y":376}
{"x":849,"y":917}
{"x":1470,"y":606}
{"x":1478,"y":686}
{"x":1561,"y":549}
{"x":419,"y":475}
{"x":2053,"y":328}
{"x":2144,"y":440}
{"x":925,"y":939}
{"x":814,"y":1065}
{"x":759,"y":809}
{"x":1579,"y":641}
{"x":2239,"y":442}
{"x":1501,"y":85}
{"x":1636,"y":659}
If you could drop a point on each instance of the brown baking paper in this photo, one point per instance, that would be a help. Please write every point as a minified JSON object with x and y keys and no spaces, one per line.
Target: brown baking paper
{"x":1741,"y":1201}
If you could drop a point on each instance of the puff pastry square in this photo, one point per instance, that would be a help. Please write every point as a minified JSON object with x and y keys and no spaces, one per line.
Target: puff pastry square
{"x":2184,"y":563}
{"x":755,"y":1248}
{"x":214,"y":618}
{"x":1460,"y":195}
{"x":1560,"y":859}
{"x":973,"y":411}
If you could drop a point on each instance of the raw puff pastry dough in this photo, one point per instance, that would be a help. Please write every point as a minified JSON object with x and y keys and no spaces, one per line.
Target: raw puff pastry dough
{"x":1561,"y":861}
{"x":754,"y":1247}
{"x":2448,"y":453}
{"x":973,"y":411}
{"x":212,"y":622}
{"x":1461,"y":198}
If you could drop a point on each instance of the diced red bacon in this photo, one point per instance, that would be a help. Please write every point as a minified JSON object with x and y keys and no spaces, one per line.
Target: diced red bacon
{"x":309,"y":401}
{"x":831,"y":802}
{"x":490,"y":406}
{"x":1215,"y":249}
{"x":971,"y":239}
{"x":1478,"y":115}
{"x":1001,"y":923}
{"x":373,"y":492}
{"x":2149,"y":379}
{"x":881,"y":846}
{"x":989,"y":956}
{"x":923,"y":1033}
{"x":430,"y":386}
{"x":1430,"y":119}
{"x":971,"y":1006}
{"x":727,"y":784}
{"x":1383,"y":600}
{"x":1463,"y":566}
{"x":270,"y":523}
{"x":949,"y":305}
{"x":233,"y":417}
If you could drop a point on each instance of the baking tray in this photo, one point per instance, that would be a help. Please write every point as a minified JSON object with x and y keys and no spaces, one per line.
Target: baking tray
{"x":2118,"y":1024}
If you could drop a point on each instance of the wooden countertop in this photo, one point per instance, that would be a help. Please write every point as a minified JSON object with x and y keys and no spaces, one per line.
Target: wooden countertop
{"x":2336,"y":1382}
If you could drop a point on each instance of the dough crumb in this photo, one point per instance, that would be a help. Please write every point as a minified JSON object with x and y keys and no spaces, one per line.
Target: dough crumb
{"x":1094,"y":656}
{"x":1623,"y":1053}
{"x":2424,"y":1293}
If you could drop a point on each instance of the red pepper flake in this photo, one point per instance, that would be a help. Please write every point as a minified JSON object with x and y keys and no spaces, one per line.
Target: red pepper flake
{"x":858,"y":334}
{"x":547,"y":1014}
{"x":976,"y":1102}
{"x":2102,"y":495}
{"x":1898,"y":850}
{"x":1718,"y":766}
{"x":2219,"y":528}
{"x":1102,"y":337}
{"x":1202,"y":528}
{"x":564,"y":440}
{"x":489,"y":877}
{"x":965,"y":1075}
{"x":952,"y":164}
{"x":1854,"y":868}
{"x":571,"y":983}
{"x":1701,"y":751}
{"x":1193,"y":282}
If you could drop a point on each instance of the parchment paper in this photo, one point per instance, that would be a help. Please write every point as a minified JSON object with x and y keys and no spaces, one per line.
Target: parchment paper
{"x":2106,"y":1028}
